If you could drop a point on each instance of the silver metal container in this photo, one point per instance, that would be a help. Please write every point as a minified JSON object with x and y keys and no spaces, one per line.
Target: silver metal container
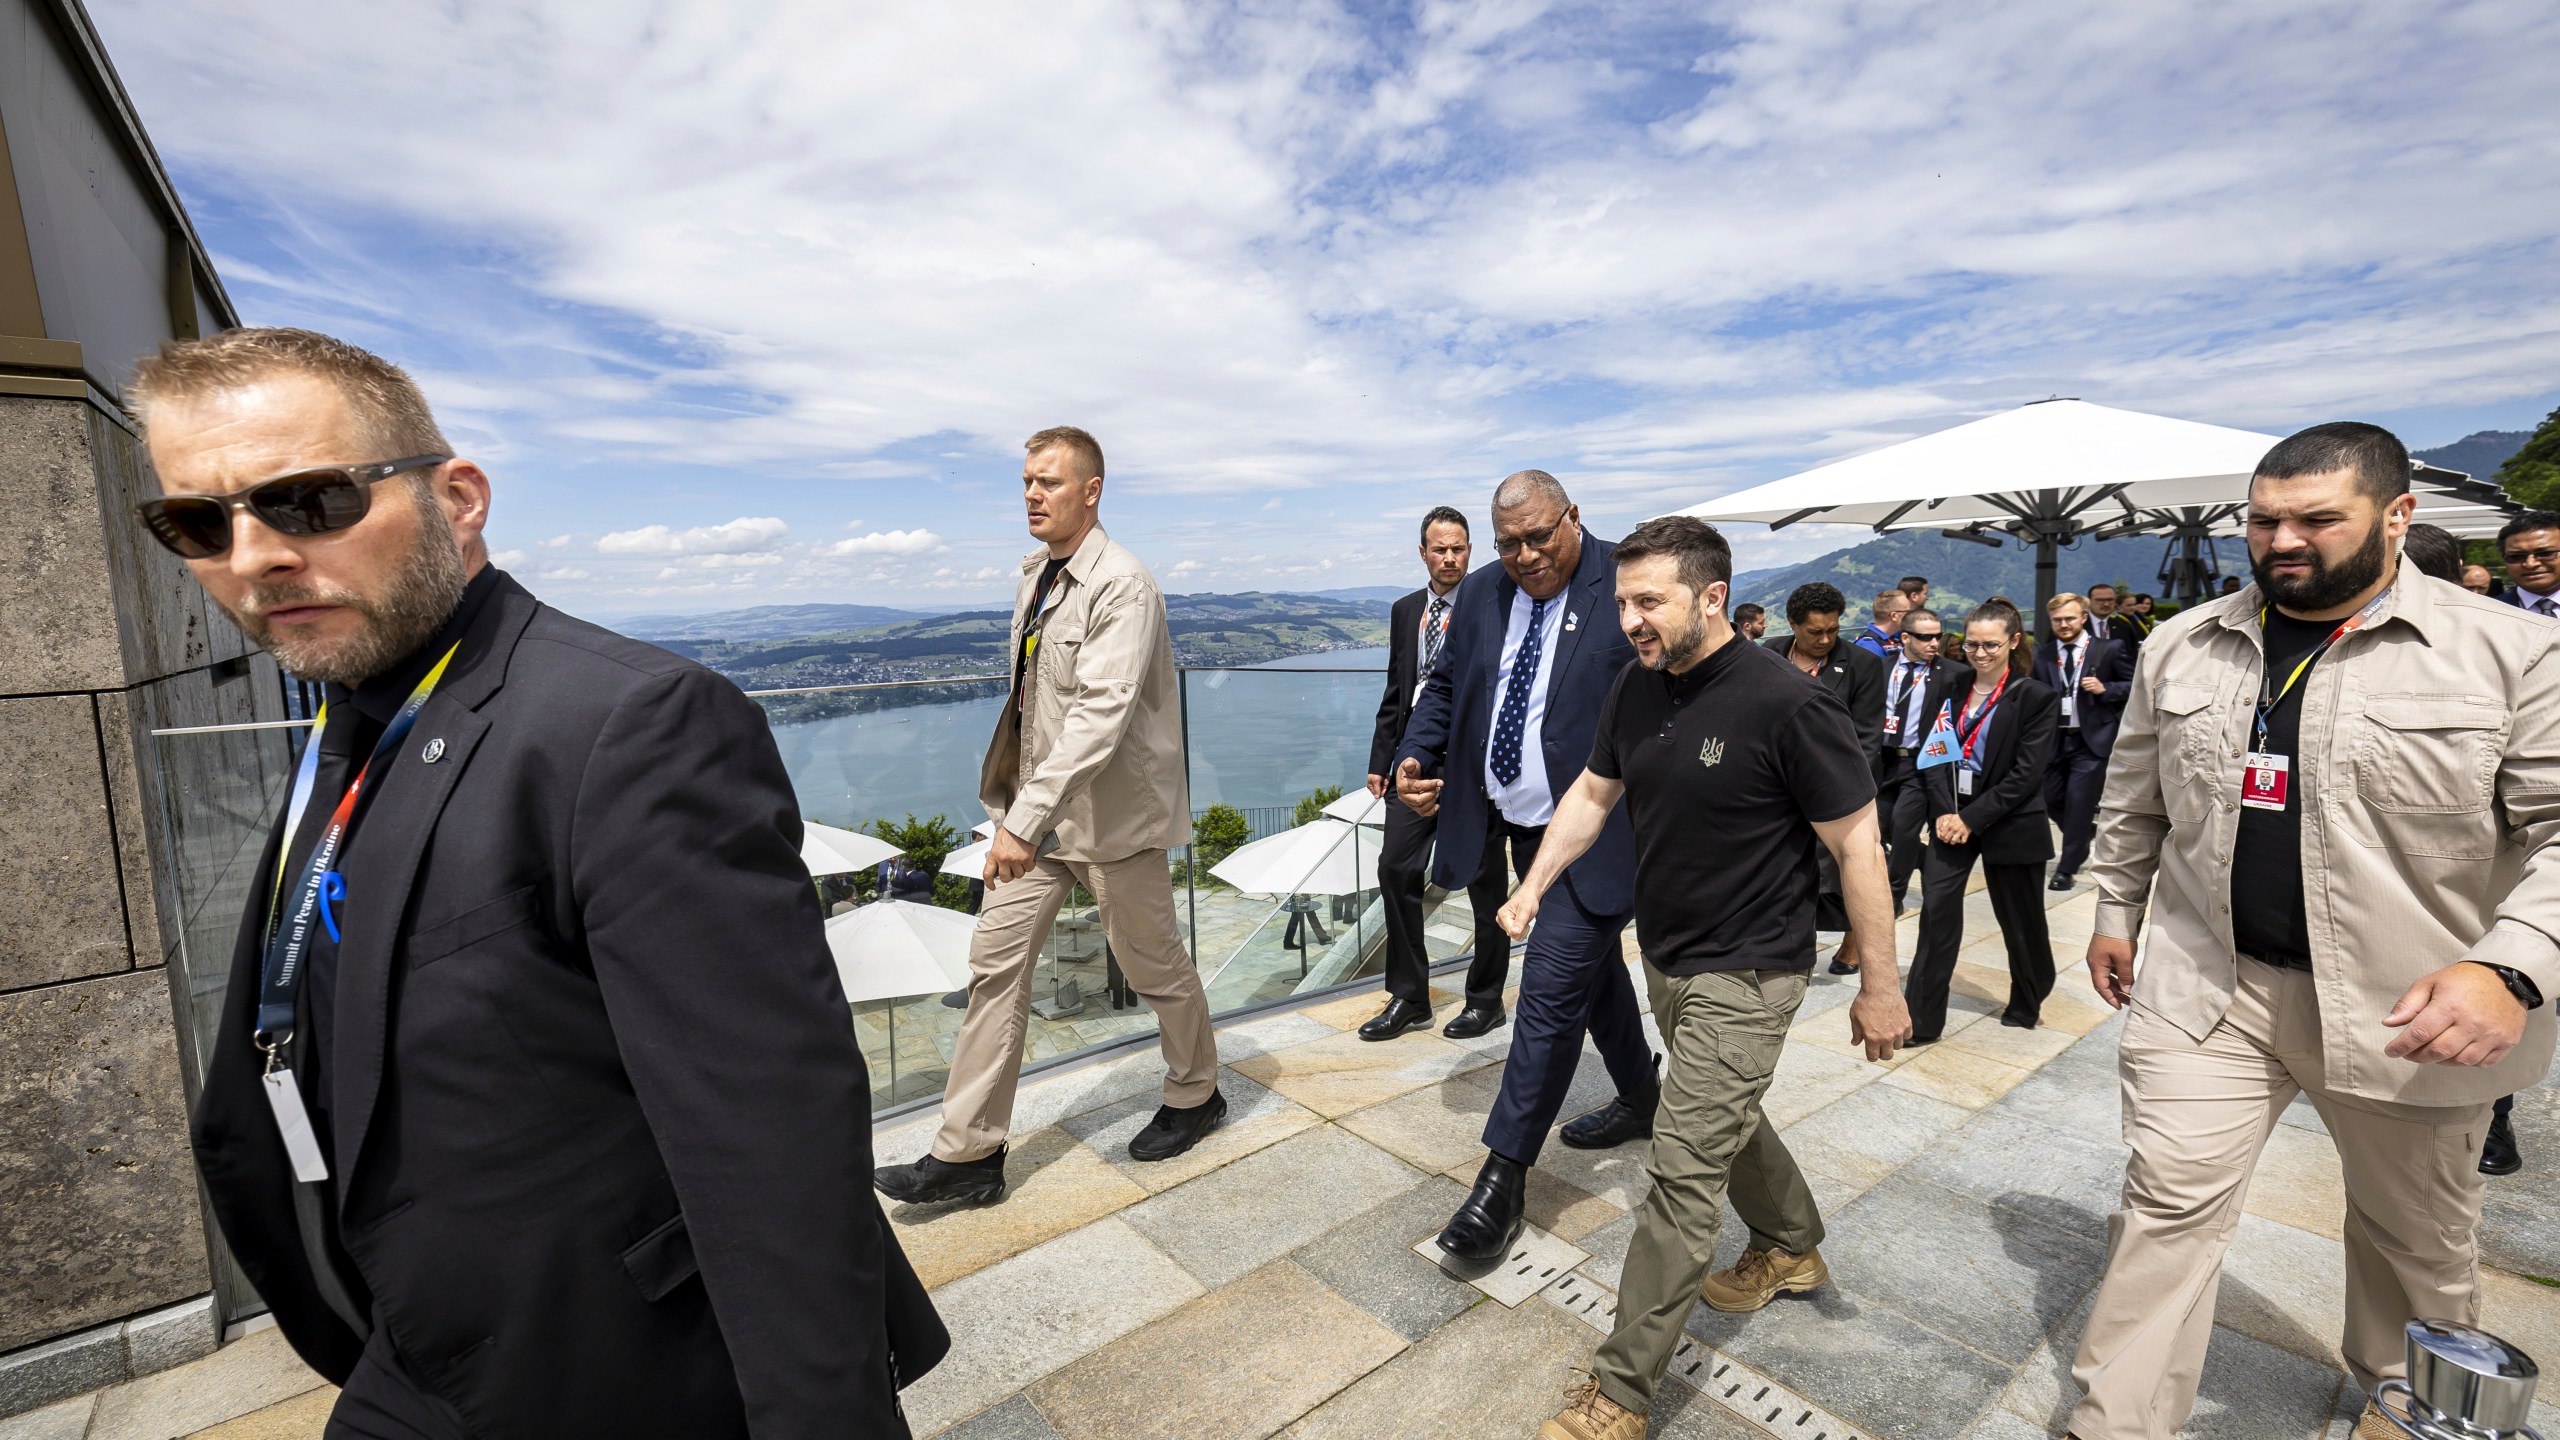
{"x":2464,"y":1384}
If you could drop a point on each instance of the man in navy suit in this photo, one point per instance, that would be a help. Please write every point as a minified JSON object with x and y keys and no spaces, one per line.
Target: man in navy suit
{"x":2093,"y":675}
{"x":2530,"y":544}
{"x":1503,"y":728}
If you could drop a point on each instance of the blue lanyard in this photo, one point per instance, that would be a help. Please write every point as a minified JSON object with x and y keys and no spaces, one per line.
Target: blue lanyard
{"x":289,"y":927}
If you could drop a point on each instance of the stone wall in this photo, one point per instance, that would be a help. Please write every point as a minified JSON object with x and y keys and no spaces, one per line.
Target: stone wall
{"x":102,"y":639}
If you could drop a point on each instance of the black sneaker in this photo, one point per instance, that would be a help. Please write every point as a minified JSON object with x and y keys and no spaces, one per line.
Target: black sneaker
{"x":935,"y":1181}
{"x":1174,"y":1131}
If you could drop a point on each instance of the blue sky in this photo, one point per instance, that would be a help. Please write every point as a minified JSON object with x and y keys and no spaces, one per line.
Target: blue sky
{"x":753,"y":303}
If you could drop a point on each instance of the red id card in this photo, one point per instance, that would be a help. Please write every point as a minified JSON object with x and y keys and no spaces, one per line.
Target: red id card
{"x":2265,"y":780}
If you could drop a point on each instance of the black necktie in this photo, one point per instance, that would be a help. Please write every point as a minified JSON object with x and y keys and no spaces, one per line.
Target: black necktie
{"x":1431,"y":632}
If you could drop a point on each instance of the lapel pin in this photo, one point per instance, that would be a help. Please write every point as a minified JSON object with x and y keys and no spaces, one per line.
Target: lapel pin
{"x":434,"y":751}
{"x":1571,"y":620}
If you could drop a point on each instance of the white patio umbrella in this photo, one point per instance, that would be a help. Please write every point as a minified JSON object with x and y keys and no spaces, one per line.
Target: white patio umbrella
{"x":984,"y":829}
{"x":894,"y":949}
{"x":1323,"y":857}
{"x":969,"y":862}
{"x":1359,"y":807}
{"x":827,"y":850}
{"x":2048,"y":473}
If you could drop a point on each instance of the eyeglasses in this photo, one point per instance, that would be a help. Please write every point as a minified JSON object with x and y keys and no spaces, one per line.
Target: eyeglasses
{"x":1932,"y":638}
{"x":307,"y":502}
{"x":1985,"y":647}
{"x":2518,"y":557}
{"x":1513,"y":545}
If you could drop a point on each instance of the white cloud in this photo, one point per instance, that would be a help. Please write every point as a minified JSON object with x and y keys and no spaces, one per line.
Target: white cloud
{"x":508,"y":559}
{"x":558,"y":542}
{"x":747,"y":532}
{"x":885,"y":542}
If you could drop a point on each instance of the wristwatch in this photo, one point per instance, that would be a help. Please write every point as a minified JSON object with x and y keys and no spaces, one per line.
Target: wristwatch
{"x":2521,"y":986}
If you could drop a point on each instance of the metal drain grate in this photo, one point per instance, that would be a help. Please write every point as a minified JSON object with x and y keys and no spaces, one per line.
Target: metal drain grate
{"x":1770,"y":1407}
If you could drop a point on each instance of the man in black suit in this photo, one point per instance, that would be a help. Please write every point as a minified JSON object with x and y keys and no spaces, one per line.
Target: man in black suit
{"x":1901,"y":804}
{"x":1507,"y":719}
{"x":2107,"y":619}
{"x":2530,"y":545}
{"x":1415,"y":629}
{"x":1856,"y":676}
{"x":535,"y":1108}
{"x":2092,"y":676}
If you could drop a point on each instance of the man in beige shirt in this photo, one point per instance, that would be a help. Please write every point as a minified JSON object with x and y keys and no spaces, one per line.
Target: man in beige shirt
{"x":2336,"y":795}
{"x":1086,"y":783}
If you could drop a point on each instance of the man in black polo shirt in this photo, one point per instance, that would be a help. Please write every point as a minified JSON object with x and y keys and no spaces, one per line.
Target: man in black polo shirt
{"x":1706,"y":724}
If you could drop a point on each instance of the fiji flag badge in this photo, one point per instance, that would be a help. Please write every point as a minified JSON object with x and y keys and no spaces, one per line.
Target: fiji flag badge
{"x":1940,"y":747}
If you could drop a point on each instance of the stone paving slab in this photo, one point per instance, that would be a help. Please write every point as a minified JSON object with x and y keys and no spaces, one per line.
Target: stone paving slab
{"x":1994,"y":1278}
{"x":1236,"y":1364}
{"x":1230,"y":1221}
{"x":1015,"y":1322}
{"x":1256,"y":1117}
{"x":1054,"y":1185}
{"x":1490,"y":1372}
{"x":1370,"y":1260}
{"x":1336,"y":1076}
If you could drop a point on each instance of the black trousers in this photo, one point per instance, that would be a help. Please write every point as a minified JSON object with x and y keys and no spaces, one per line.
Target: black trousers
{"x":1902,"y":809}
{"x":2071,"y":791}
{"x":1573,"y":982}
{"x":2017,"y":898}
{"x":1404,"y":864}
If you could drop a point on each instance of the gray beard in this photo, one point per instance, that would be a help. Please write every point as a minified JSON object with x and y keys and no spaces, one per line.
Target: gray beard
{"x":405,"y":617}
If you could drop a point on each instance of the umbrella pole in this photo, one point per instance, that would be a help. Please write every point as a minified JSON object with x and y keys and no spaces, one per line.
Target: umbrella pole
{"x":893,"y":1050}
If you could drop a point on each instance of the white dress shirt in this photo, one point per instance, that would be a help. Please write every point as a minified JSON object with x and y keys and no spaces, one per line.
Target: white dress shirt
{"x":1914,"y":727}
{"x":2533,"y":604}
{"x":2070,"y":660}
{"x":1527,"y":800}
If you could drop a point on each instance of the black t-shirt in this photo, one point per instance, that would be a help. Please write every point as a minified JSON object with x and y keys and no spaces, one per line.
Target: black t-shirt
{"x":1727,"y":768}
{"x":2267,"y":916}
{"x":1030,"y":621}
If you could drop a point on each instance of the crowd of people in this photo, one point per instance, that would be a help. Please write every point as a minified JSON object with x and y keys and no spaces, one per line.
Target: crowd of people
{"x":535,"y":1108}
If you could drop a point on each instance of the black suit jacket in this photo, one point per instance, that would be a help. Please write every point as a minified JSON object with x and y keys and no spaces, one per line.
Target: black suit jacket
{"x":1857,"y":677}
{"x":2110,"y":662}
{"x":1453,"y":721}
{"x":1404,"y":667}
{"x":2006,"y":810}
{"x":602,"y":1129}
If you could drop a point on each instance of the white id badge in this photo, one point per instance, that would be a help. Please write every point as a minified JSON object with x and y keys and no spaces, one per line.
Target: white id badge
{"x":1964,"y":781}
{"x":2265,"y":780}
{"x":294,"y":1123}
{"x":2070,"y":709}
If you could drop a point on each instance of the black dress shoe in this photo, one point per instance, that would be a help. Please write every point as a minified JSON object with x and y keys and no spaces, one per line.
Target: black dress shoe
{"x":2498,"y":1154}
{"x":1842,"y":967}
{"x":1491,"y":1216}
{"x":1399,"y":1016}
{"x":2059,"y":882}
{"x":1615,"y":1123}
{"x":935,"y":1181}
{"x":1475,"y":1020}
{"x":1174,"y":1131}
{"x":2019,"y":1022}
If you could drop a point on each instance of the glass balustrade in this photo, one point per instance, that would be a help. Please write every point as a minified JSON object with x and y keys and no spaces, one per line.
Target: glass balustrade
{"x":1276,"y":898}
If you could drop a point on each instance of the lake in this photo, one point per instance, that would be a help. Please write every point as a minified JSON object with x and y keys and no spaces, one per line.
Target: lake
{"x":1260,"y":736}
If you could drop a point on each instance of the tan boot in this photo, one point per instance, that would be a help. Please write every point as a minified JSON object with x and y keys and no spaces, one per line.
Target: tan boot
{"x":2373,"y":1426}
{"x":1590,"y":1415}
{"x":1760,"y":1276}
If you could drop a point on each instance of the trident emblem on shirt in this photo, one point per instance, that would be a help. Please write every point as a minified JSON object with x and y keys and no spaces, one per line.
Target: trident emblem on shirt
{"x":1711,"y":753}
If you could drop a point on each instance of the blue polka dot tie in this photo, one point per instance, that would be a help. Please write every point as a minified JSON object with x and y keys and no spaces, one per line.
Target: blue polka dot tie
{"x":1513,"y":722}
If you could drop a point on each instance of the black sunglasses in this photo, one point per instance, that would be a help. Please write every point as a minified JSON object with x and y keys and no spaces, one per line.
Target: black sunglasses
{"x":306,"y":502}
{"x":2518,"y":557}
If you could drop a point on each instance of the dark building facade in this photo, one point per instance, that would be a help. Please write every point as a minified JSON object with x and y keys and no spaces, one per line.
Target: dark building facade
{"x":105,"y":825}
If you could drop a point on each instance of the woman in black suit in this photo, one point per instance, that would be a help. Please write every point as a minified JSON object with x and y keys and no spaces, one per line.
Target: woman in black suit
{"x":1987,"y":804}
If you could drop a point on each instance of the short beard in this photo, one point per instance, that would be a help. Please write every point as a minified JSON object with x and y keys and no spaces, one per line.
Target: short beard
{"x":2326,"y":587}
{"x":1679,"y":654}
{"x":420,"y":598}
